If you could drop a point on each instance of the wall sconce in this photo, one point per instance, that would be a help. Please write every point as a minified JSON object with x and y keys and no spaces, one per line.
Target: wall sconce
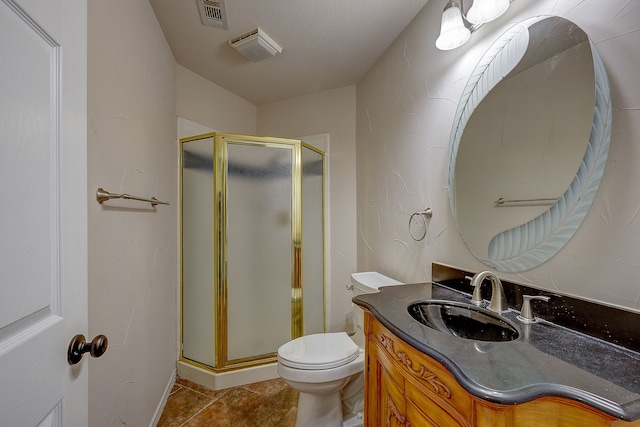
{"x":453,"y":31}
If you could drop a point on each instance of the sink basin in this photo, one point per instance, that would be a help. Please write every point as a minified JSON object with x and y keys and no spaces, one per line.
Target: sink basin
{"x":463,"y":320}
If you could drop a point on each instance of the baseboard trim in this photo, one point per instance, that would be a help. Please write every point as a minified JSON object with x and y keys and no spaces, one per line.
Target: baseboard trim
{"x":165,"y":397}
{"x":219,"y":381}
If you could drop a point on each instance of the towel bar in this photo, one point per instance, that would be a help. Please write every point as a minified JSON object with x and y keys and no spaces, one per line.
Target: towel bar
{"x":102,"y":196}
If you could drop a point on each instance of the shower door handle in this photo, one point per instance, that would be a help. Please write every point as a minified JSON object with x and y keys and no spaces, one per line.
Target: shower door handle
{"x":79,"y":346}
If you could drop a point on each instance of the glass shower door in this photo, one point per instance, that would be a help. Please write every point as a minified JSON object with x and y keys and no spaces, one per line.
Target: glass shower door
{"x":259,"y":221}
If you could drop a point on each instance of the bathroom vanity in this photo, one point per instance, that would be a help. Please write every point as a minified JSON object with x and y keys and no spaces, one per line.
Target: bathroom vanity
{"x":548,"y":376}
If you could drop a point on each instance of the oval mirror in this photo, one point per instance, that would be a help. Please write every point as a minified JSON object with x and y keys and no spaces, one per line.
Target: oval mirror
{"x":529,"y":143}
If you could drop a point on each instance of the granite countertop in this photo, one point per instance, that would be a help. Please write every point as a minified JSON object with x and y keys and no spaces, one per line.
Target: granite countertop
{"x":546,"y":359}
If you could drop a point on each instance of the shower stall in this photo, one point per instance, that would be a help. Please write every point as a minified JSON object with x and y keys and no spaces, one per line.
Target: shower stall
{"x":252,"y":248}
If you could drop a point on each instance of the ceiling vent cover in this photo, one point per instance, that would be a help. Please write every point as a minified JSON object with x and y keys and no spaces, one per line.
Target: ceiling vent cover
{"x":213,"y":13}
{"x":255,"y":45}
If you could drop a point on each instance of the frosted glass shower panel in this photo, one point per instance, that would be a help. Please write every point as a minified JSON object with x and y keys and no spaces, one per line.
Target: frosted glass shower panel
{"x":252,"y":264}
{"x":198,"y":320}
{"x":259,"y":217}
{"x":313,"y":240}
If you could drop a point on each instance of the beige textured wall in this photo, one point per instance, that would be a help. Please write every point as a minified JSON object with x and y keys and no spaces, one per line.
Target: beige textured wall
{"x":208,"y":104}
{"x":406,"y":105}
{"x":132,"y":247}
{"x":333,"y":112}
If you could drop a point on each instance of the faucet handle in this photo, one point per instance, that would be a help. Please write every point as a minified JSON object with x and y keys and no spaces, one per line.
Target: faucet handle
{"x":476,"y":298}
{"x":526,"y":315}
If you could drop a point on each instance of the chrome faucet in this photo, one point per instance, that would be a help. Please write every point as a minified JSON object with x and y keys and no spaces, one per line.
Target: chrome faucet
{"x":498,"y":301}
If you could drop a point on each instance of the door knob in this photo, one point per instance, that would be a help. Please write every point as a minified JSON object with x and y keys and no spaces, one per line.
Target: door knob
{"x":79,"y":346}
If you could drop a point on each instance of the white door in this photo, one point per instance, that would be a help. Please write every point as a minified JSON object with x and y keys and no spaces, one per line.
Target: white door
{"x":43,"y":211}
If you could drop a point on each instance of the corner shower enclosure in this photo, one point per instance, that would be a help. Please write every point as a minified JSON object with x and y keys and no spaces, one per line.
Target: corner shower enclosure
{"x":252,"y":265}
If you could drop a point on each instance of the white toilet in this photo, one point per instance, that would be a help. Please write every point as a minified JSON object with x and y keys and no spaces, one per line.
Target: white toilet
{"x":327,"y":369}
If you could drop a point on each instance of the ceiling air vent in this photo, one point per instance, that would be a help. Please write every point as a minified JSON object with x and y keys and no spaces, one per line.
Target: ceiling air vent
{"x":213,"y":13}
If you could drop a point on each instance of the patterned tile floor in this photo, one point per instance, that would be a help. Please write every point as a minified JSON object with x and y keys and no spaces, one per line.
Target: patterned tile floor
{"x":266,"y":404}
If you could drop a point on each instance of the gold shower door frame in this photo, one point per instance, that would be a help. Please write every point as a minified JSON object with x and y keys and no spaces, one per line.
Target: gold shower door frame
{"x":220,"y":261}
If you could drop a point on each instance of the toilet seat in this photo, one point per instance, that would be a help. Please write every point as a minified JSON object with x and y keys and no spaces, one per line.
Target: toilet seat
{"x":318,"y":351}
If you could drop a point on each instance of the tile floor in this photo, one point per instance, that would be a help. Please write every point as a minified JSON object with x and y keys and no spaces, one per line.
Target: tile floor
{"x":265,"y":404}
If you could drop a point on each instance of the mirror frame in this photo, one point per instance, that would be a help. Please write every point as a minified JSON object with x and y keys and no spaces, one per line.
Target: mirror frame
{"x":527,"y":246}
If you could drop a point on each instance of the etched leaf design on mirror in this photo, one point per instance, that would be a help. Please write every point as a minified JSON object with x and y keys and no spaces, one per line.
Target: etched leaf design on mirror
{"x":530,"y":244}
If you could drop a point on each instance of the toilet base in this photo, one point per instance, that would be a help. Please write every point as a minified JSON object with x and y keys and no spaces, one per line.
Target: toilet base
{"x":319,"y":410}
{"x":328,"y":410}
{"x":333,"y":402}
{"x":353,"y":420}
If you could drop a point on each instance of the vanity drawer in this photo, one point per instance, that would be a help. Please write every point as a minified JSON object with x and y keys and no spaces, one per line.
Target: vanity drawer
{"x":427,"y":413}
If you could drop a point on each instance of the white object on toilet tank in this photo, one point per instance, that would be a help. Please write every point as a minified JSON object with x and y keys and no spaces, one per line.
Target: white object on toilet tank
{"x":368,"y":282}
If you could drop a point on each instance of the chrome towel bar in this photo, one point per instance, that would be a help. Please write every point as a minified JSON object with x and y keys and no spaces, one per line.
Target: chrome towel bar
{"x":103,"y":195}
{"x":524,"y":202}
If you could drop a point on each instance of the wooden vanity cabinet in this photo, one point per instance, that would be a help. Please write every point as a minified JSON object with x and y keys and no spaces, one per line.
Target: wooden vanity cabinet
{"x":405,"y":387}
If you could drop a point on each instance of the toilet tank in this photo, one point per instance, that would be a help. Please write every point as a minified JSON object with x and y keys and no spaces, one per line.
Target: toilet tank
{"x":367,"y":282}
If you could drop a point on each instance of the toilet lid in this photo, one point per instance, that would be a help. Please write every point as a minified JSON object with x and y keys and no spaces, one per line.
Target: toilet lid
{"x":318,"y":351}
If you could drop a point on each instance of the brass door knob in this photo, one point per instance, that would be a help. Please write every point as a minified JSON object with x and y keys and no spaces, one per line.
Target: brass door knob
{"x":79,"y":346}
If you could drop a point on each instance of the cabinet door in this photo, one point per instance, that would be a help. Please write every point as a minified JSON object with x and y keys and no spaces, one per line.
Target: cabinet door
{"x":393,"y":408}
{"x":384,"y":396}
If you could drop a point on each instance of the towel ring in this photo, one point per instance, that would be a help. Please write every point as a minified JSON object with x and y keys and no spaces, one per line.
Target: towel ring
{"x":427,"y":213}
